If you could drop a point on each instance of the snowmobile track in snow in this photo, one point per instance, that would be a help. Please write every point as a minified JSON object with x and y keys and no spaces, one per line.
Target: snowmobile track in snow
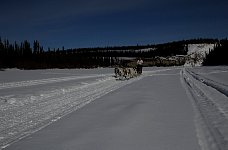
{"x":211,"y":110}
{"x":223,"y":88}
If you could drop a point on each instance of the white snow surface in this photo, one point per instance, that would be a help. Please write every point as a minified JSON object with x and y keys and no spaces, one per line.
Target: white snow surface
{"x":32,"y":100}
{"x":210,"y":101}
{"x":197,"y":50}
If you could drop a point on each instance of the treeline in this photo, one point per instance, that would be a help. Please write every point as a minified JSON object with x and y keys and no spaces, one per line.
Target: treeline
{"x":25,"y":55}
{"x":217,"y":56}
{"x":33,"y":56}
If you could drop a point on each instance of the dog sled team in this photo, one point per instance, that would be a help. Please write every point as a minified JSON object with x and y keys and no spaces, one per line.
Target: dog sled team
{"x":127,"y":73}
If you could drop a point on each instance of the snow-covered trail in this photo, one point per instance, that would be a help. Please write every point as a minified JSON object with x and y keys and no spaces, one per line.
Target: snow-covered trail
{"x":23,"y":114}
{"x":153,"y":113}
{"x":27,"y":106}
{"x":44,"y":81}
{"x":147,"y":114}
{"x":210,"y":100}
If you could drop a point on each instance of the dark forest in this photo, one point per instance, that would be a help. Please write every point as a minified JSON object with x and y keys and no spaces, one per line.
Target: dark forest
{"x":25,"y":55}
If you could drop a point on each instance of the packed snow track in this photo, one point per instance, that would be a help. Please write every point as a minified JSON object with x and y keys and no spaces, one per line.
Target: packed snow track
{"x":24,"y":111}
{"x":180,"y":102}
{"x":210,"y":100}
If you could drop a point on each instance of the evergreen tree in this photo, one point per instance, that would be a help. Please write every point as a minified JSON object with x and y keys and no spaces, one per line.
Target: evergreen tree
{"x":217,"y":56}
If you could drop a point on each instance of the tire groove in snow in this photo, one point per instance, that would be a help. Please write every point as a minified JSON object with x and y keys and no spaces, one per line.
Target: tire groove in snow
{"x":211,"y":113}
{"x":216,"y":85}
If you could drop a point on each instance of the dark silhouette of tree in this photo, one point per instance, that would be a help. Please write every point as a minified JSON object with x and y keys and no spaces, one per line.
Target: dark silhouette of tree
{"x":217,"y":56}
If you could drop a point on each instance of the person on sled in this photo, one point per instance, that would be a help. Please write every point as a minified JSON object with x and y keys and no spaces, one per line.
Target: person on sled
{"x":139,"y":66}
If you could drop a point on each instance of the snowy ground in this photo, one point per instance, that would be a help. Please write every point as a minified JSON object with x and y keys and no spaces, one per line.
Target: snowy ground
{"x":196,"y":54}
{"x":208,"y":90}
{"x":165,"y":108}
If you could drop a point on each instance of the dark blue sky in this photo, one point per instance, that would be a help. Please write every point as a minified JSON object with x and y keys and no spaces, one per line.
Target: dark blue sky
{"x":91,"y":23}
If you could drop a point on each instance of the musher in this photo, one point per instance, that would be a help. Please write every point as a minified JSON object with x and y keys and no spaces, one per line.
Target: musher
{"x":139,"y":66}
